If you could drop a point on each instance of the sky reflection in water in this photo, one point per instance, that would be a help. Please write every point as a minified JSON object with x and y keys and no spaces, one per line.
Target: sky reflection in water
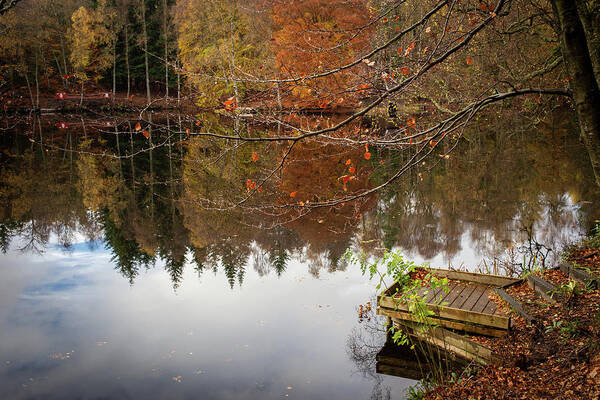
{"x":71,"y":327}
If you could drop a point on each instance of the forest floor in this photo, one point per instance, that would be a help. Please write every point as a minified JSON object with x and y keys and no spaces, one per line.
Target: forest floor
{"x":557,"y":357}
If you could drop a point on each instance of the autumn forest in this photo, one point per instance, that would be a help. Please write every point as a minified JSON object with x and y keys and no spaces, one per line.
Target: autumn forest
{"x":204,"y":174}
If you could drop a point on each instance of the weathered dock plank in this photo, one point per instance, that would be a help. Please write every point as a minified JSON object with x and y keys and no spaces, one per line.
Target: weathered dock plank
{"x":450,"y":341}
{"x":484,"y":279}
{"x":464,"y":296}
{"x":515,"y":305}
{"x":579,"y":275}
{"x":447,"y":323}
{"x":495,"y":321}
{"x":543,"y":288}
{"x":474,"y":298}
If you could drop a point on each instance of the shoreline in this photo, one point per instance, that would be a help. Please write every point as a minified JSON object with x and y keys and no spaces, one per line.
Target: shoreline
{"x":556,"y":356}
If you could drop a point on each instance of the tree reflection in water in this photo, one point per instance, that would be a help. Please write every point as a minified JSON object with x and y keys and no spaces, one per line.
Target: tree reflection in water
{"x":372,"y":350}
{"x":168,"y":200}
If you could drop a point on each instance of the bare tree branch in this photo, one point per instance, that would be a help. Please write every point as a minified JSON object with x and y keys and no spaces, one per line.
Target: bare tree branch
{"x":6,"y":5}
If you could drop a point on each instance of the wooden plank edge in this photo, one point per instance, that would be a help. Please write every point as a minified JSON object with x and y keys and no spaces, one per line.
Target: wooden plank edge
{"x":579,"y":275}
{"x":543,"y":288}
{"x":496,"y":321}
{"x":520,"y":280}
{"x":444,"y":345}
{"x":515,"y":305}
{"x":452,"y":324}
{"x":485,"y":279}
{"x":456,"y":340}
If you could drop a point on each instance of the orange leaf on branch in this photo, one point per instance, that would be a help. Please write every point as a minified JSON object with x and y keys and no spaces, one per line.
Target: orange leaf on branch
{"x":404,"y":71}
{"x":367,"y":156}
{"x":361,"y":88}
{"x":293,"y":194}
{"x":347,"y":178}
{"x":254,"y":157}
{"x":138,"y":127}
{"x":230,"y":104}
{"x":146,"y":134}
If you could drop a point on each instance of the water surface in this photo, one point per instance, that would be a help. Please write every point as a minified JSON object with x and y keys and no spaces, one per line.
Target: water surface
{"x":121,"y":278}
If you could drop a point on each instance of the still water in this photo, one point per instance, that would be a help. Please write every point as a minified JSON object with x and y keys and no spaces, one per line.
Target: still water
{"x":123,"y":277}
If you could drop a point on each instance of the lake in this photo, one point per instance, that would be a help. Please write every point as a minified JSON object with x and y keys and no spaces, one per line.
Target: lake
{"x":145,"y":263}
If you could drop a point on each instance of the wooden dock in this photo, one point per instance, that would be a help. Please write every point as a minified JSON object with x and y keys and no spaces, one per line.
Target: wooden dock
{"x":465,"y":306}
{"x":464,"y":310}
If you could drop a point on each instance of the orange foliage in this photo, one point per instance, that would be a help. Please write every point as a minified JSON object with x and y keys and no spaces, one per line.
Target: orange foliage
{"x":317,"y":173}
{"x":313,"y":36}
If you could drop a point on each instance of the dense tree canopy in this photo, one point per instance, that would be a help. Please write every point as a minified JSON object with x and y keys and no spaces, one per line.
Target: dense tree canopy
{"x":401,"y":75}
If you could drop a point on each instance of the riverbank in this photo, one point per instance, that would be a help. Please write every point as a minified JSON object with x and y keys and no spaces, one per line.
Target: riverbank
{"x":95,"y":99}
{"x":557,"y":356}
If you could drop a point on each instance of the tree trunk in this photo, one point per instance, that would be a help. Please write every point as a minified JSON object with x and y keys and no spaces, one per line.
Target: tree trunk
{"x":63,"y":53}
{"x":127,"y":57}
{"x":118,"y":149}
{"x":131,"y":156}
{"x":166,"y":36}
{"x":60,"y":71}
{"x":589,"y":13}
{"x":145,"y":38}
{"x":37,"y":82}
{"x":29,"y":88}
{"x":232,"y":66}
{"x":114,"y":73}
{"x":584,"y":87}
{"x":178,"y":83}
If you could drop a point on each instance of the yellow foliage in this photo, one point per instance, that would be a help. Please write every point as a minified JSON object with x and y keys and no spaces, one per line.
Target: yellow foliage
{"x":92,"y":38}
